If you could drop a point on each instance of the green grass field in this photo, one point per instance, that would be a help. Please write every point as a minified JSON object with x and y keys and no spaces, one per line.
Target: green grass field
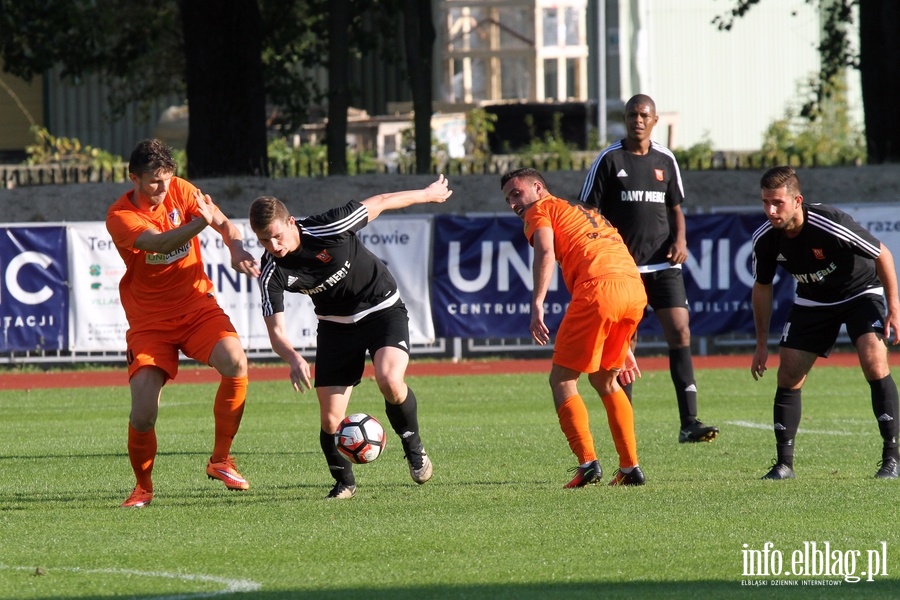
{"x":495,"y":522}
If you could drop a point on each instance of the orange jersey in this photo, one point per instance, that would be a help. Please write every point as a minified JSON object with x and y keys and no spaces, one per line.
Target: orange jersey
{"x":157,"y":286}
{"x":586,"y":245}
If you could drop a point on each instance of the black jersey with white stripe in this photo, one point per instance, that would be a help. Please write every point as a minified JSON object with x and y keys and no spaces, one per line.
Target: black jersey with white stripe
{"x":832,"y":259}
{"x":343,"y":278}
{"x":634,"y":192}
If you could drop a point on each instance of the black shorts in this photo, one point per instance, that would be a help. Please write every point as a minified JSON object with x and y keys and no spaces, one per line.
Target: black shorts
{"x":815,"y":329}
{"x":665,"y":289}
{"x":341,"y":347}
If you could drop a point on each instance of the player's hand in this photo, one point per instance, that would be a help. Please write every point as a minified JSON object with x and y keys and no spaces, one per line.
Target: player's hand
{"x":300,"y":375}
{"x":539,"y":330}
{"x":758,"y":367}
{"x":892,"y":324}
{"x":439,"y":190}
{"x":677,"y":253}
{"x":242,"y":261}
{"x":205,"y":206}
{"x":630,"y":372}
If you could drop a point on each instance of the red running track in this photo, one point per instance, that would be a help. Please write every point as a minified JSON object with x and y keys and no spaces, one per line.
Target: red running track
{"x":114,"y":377}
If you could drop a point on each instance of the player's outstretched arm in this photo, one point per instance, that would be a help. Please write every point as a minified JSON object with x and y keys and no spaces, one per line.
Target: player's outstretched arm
{"x":438,"y":192}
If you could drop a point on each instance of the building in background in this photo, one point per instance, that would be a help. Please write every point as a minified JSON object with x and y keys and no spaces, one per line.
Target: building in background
{"x":725,"y":87}
{"x":709,"y":85}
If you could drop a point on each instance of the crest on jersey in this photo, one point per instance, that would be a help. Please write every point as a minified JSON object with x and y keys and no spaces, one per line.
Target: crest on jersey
{"x":660,"y":174}
{"x":175,"y":217}
{"x":817,"y":252}
{"x":324,"y":256}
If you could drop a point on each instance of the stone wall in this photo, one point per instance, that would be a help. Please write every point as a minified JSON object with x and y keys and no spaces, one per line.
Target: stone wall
{"x":472,"y":193}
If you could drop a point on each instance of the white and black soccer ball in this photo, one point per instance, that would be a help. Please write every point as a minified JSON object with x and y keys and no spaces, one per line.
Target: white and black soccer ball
{"x":360,"y":438}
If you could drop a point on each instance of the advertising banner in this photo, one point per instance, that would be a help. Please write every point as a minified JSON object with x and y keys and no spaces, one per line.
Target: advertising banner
{"x":882,"y":221}
{"x":34,"y":293}
{"x":482,"y":278}
{"x":98,"y":322}
{"x":404,"y":244}
{"x":718,"y":277}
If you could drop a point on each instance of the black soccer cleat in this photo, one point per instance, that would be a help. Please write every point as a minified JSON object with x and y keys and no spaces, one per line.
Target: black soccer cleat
{"x":889,"y":469}
{"x":341,"y":491}
{"x":779,"y":471}
{"x":634,"y":477}
{"x":587,"y":475}
{"x":697,"y":432}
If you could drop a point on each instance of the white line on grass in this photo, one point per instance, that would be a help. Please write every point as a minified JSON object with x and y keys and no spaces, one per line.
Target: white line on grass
{"x":231,"y":585}
{"x":768,"y":427}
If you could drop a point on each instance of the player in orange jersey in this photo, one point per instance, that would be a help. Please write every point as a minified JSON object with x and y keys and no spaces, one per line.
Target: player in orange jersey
{"x":608,"y":301}
{"x":170,"y":305}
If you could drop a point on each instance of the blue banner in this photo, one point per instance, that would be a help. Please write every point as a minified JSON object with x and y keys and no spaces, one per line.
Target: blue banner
{"x":34,"y":293}
{"x":481,"y":285}
{"x":718,"y":277}
{"x":481,"y":279}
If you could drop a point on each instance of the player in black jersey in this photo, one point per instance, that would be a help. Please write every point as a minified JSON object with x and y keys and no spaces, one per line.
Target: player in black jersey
{"x":636,"y":184}
{"x":844,"y":276}
{"x":358,"y":307}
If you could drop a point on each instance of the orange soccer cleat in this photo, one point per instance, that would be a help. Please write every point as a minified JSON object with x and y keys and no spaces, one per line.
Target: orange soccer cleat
{"x":139,"y":498}
{"x":226,"y":472}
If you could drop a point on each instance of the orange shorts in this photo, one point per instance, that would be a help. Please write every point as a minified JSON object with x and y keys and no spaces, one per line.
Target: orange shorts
{"x":195,"y":334}
{"x":599,"y":323}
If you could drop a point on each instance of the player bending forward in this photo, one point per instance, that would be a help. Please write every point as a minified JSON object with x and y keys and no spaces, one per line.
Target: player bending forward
{"x":359,"y":309}
{"x":608,"y":301}
{"x":841,"y":272}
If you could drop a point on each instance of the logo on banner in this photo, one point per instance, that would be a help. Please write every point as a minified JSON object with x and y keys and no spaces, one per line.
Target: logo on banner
{"x":482,"y":283}
{"x":33,"y":288}
{"x":96,"y":272}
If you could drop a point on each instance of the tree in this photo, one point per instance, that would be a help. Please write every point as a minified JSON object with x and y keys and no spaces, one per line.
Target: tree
{"x":338,"y":86}
{"x":224,"y":74}
{"x":419,"y":35}
{"x":143,"y":52}
{"x":121,"y":39}
{"x":226,"y":61}
{"x":876,"y":59}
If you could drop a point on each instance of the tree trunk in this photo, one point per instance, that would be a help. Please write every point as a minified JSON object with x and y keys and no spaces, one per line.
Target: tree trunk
{"x":225,"y":89}
{"x":419,"y":38}
{"x":338,"y":85}
{"x":879,"y":34}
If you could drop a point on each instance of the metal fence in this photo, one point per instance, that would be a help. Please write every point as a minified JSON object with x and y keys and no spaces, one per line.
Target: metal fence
{"x":303,"y":166}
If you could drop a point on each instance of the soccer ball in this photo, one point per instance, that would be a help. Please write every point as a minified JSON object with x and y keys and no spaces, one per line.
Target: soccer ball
{"x":360,"y":438}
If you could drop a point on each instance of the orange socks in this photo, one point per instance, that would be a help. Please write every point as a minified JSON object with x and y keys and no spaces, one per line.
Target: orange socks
{"x":573,"y":419}
{"x":621,"y":425}
{"x":228,"y":410}
{"x":142,"y":452}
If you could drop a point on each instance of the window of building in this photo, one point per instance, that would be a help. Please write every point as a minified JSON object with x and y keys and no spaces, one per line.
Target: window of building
{"x":513,"y":50}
